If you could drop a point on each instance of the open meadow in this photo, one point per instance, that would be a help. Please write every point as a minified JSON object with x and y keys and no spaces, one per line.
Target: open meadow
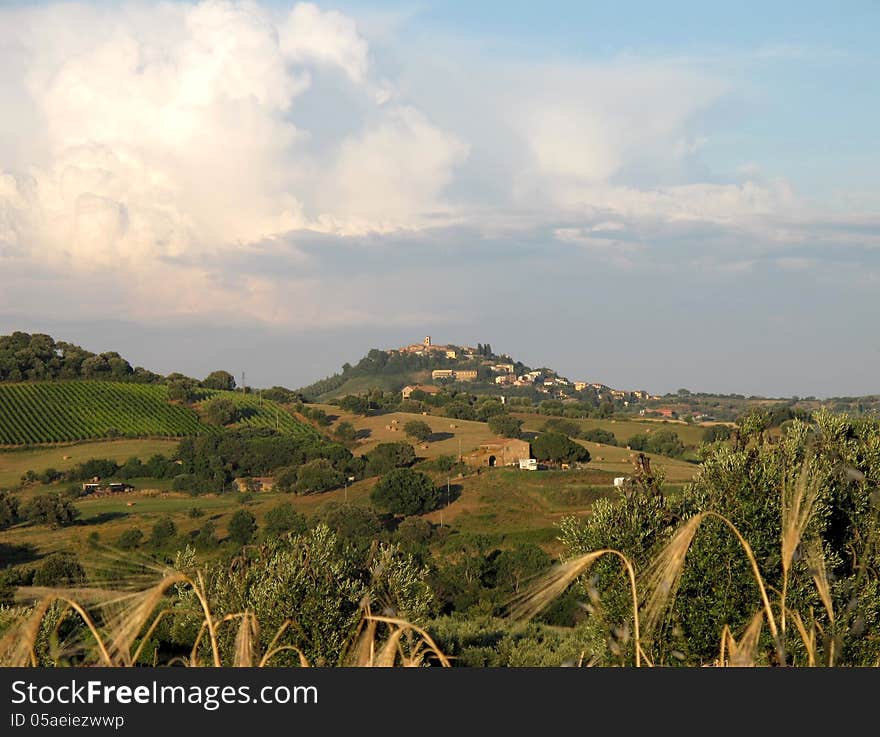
{"x":16,"y":461}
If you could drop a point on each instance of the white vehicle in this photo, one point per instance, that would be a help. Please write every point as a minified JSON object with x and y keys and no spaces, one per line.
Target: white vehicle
{"x":528,"y":464}
{"x":619,"y":481}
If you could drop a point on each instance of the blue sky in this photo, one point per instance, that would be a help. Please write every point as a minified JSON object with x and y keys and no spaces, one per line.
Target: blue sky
{"x":649,"y":195}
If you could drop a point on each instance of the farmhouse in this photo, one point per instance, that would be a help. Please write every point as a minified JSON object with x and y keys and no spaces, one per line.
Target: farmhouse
{"x":501,"y":452}
{"x":255,"y":483}
{"x":407,"y":391}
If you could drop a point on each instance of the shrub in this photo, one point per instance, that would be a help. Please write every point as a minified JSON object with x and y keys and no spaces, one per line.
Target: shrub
{"x":50,"y":509}
{"x":60,"y":569}
{"x":505,"y":426}
{"x":317,"y":475}
{"x":8,"y":510}
{"x":558,"y":448}
{"x":566,"y":427}
{"x":598,"y":435}
{"x":418,"y":430}
{"x":351,"y":521}
{"x":130,"y":539}
{"x":387,"y":456}
{"x":220,"y":411}
{"x":163,"y":531}
{"x":242,"y":527}
{"x":283,"y":518}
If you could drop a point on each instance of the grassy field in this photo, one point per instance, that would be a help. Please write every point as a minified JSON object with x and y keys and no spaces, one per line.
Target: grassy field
{"x":623,"y":429}
{"x":152,"y":500}
{"x":610,"y":458}
{"x":14,"y":463}
{"x":620,"y":462}
{"x":61,"y":411}
{"x":389,"y":428}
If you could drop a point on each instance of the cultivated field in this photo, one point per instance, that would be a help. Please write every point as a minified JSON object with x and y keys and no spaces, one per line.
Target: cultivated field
{"x":62,"y":411}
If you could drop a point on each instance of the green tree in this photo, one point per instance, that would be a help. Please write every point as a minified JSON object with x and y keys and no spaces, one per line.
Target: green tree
{"x":566,"y":427}
{"x":182,"y":390}
{"x":242,"y":527}
{"x":130,"y":539}
{"x":8,"y":510}
{"x":350,"y":521}
{"x":163,"y":532}
{"x":222,"y":380}
{"x":50,"y":509}
{"x":318,"y":475}
{"x":515,"y":567}
{"x":345,"y":432}
{"x":418,"y":430}
{"x":662,"y":442}
{"x":206,"y":537}
{"x":558,"y":448}
{"x":714,"y":433}
{"x":355,"y":404}
{"x":283,"y":518}
{"x":220,"y":411}
{"x":598,"y":435}
{"x":414,"y":531}
{"x":405,"y":491}
{"x":60,"y":569}
{"x":387,"y":456}
{"x":506,"y":426}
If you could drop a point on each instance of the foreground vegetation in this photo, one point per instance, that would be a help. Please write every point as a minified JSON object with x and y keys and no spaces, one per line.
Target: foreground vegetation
{"x":769,"y":557}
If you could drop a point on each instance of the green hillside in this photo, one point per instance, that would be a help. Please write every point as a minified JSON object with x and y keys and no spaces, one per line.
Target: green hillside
{"x":63,"y":411}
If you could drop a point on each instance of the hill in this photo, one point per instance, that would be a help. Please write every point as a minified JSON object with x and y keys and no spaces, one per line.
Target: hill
{"x":64,"y":411}
{"x":477,"y":369}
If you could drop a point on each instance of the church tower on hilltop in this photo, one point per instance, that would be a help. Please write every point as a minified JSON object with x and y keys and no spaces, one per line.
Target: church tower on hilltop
{"x":427,"y":341}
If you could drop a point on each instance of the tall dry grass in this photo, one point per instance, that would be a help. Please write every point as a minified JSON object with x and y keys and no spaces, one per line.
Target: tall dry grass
{"x":654,"y":590}
{"x":118,"y":625}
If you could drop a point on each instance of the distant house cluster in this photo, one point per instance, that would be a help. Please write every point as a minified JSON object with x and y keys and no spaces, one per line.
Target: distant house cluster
{"x":427,"y":348}
{"x":505,"y":373}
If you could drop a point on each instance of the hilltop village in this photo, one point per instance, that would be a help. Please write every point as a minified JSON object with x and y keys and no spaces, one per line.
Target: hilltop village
{"x":504,"y":372}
